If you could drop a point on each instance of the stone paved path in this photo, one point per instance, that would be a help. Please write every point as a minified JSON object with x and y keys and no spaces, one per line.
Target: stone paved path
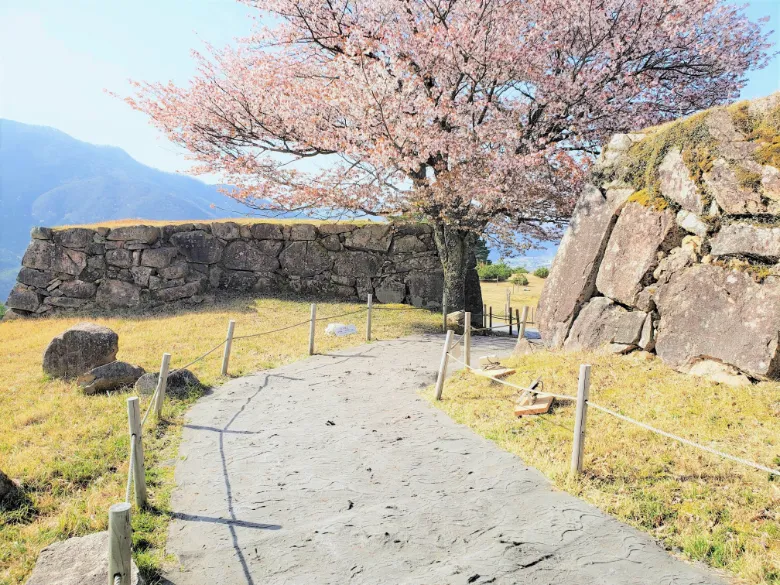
{"x":334,"y":470}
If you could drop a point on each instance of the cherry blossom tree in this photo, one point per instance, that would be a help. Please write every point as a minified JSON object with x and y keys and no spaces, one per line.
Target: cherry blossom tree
{"x":474,"y":115}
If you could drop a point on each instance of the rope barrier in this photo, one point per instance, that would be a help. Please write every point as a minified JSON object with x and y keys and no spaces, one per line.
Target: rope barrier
{"x":148,"y":410}
{"x":640,"y":424}
{"x":196,"y":360}
{"x":683,"y":440}
{"x":505,"y":383}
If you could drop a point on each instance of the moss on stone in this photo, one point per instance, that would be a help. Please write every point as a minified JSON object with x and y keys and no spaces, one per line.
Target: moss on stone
{"x":747,"y":179}
{"x":764,"y":129}
{"x":645,"y":198}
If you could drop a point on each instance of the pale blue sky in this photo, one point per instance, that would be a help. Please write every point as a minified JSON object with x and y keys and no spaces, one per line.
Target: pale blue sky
{"x":57,"y":57}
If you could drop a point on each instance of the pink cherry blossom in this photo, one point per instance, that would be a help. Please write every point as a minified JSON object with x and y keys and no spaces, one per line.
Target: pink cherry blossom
{"x":477,"y":115}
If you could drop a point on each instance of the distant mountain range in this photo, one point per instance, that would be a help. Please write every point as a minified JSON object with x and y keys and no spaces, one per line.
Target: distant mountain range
{"x":49,"y":178}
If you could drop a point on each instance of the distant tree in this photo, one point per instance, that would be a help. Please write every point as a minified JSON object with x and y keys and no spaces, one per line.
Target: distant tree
{"x":498,"y":271}
{"x":2,"y":310}
{"x":520,"y":270}
{"x":542,"y":272}
{"x":519,"y":279}
{"x":474,"y":114}
{"x":481,"y":251}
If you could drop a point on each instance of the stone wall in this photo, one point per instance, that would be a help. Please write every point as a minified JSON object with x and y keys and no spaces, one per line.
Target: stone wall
{"x":674,"y":247}
{"x":140,"y":266}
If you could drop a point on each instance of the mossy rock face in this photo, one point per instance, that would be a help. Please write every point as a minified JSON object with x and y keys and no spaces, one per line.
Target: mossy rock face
{"x":743,"y":137}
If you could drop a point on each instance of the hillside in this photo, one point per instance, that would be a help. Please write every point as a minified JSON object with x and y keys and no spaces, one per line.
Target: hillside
{"x":50,"y":178}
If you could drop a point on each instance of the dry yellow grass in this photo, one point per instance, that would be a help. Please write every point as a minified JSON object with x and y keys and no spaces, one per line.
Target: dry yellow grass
{"x":494,"y":294}
{"x":699,"y":505}
{"x":70,"y":451}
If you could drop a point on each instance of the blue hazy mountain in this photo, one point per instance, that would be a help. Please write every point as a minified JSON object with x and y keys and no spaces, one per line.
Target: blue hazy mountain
{"x":49,"y":178}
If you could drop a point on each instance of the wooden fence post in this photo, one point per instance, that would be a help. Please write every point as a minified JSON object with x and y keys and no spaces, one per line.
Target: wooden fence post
{"x":484,"y":316}
{"x":443,"y":365}
{"x":119,"y":537}
{"x":162,"y":383}
{"x":228,"y":345}
{"x":467,"y":338}
{"x":490,"y":322}
{"x":510,"y":321}
{"x":522,"y":322}
{"x":507,"y":309}
{"x":312,"y":327}
{"x":139,"y":470}
{"x":581,"y":416}
{"x":368,"y":316}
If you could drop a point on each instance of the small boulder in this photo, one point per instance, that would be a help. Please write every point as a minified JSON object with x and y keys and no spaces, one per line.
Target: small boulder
{"x":110,"y":377}
{"x":179,"y":383}
{"x":77,"y":561}
{"x":8,"y":489}
{"x":719,"y":372}
{"x":79,"y":349}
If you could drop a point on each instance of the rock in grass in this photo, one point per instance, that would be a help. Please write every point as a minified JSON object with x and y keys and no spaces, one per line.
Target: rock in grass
{"x":7,"y":488}
{"x":77,"y":561}
{"x":179,"y":383}
{"x":79,"y":349}
{"x":110,"y":377}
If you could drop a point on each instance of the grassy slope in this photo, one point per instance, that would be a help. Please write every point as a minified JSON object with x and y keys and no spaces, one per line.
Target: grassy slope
{"x":705,"y":507}
{"x":70,"y":451}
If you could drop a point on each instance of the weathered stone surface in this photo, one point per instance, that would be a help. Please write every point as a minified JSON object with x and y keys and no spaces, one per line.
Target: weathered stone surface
{"x":237,"y":280}
{"x":327,"y":229}
{"x":674,"y":262}
{"x":141,"y":275}
{"x":33,"y":277}
{"x":708,"y":312}
{"x":77,"y":561}
{"x":305,"y":259}
{"x":109,"y":377}
{"x":8,"y":489}
{"x":303,"y":232}
{"x":770,"y":182}
{"x":78,"y":289}
{"x":676,"y":183}
{"x":145,"y":234}
{"x":408,"y":244}
{"x":647,"y":337}
{"x":117,"y":294}
{"x":120,"y":257}
{"x":41,"y":233}
{"x":691,"y":222}
{"x":631,"y":254}
{"x":376,"y":237}
{"x":198,"y":246}
{"x":74,"y":237}
{"x":332,"y":243}
{"x":355,"y":264}
{"x":731,"y":197}
{"x":49,"y":257}
{"x":242,"y":255}
{"x":176,"y":293}
{"x":23,"y":299}
{"x":426,"y":289}
{"x":390,"y":290}
{"x":178,"y":269}
{"x":158,"y":257}
{"x":79,"y":349}
{"x":572,"y":279}
{"x":179,"y":383}
{"x":225,"y":230}
{"x":747,"y":239}
{"x":602,"y":322}
{"x":65,"y":302}
{"x":719,"y":372}
{"x":267,"y":231}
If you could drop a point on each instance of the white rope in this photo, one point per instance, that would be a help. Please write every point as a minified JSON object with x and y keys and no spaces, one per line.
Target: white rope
{"x":505,"y":383}
{"x":637,"y":423}
{"x":117,"y":579}
{"x":684,"y":441}
{"x":130,"y":468}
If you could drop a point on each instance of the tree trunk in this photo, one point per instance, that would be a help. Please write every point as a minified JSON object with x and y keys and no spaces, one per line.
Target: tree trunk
{"x":456,"y":253}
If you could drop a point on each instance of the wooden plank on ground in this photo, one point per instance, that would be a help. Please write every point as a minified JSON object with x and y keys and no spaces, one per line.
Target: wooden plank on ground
{"x":540,"y":406}
{"x":495,"y":373}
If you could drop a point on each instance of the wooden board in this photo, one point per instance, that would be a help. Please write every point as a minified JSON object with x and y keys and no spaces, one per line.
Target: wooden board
{"x":497,"y":373}
{"x":542,"y":405}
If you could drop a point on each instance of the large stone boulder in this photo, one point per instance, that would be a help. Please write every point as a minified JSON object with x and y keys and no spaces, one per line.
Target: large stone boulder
{"x":23,"y":299}
{"x":8,"y":490}
{"x":49,"y":257}
{"x":81,"y":560}
{"x":305,"y":258}
{"x":179,"y":383}
{"x":572,"y":279}
{"x":632,"y":252}
{"x":118,"y":294}
{"x":144,"y":234}
{"x":676,"y":183}
{"x":198,"y":246}
{"x":109,"y":377}
{"x":375,"y":237}
{"x":259,"y":256}
{"x":604,"y":324}
{"x":708,"y":312}
{"x":79,"y":349}
{"x":747,"y":239}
